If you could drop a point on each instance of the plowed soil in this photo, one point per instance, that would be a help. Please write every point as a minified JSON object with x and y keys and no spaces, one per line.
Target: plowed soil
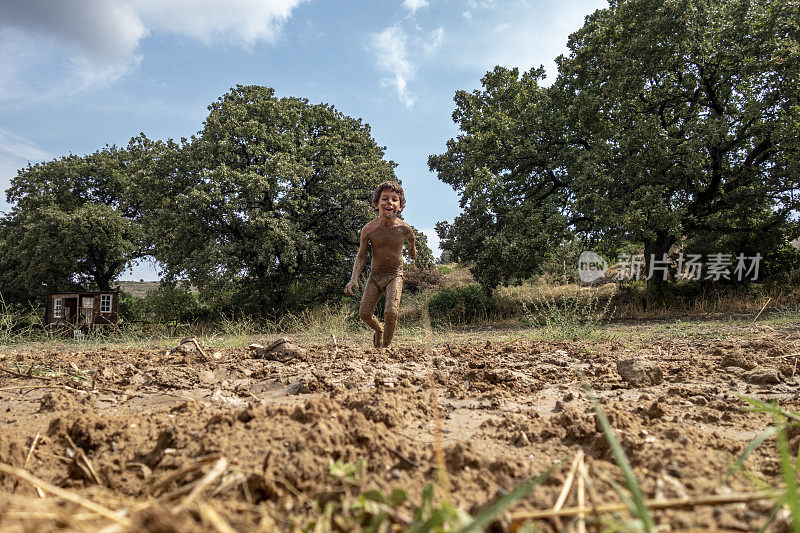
{"x":144,"y":429}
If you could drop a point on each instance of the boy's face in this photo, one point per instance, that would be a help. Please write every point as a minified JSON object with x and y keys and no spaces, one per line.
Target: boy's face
{"x":388,"y":205}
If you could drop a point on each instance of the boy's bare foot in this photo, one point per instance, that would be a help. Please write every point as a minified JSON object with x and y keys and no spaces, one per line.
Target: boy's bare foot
{"x":377,"y":339}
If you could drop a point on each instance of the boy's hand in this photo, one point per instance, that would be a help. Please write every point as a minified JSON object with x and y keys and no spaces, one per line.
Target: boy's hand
{"x":348,"y":289}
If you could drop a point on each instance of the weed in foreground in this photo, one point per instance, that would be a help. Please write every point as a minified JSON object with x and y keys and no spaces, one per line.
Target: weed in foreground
{"x":20,"y":325}
{"x":785,"y":421}
{"x":568,"y":317}
{"x":372,"y":510}
{"x":634,"y":498}
{"x":375,"y":511}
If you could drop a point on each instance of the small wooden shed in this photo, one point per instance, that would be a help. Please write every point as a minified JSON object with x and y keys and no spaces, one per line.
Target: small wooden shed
{"x":83,"y":310}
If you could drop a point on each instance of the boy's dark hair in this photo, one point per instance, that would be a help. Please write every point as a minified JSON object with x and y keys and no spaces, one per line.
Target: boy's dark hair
{"x":391,"y":186}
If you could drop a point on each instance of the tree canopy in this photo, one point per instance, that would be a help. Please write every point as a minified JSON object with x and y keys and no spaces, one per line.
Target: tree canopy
{"x":667,"y":119}
{"x":266,"y":203}
{"x":513,"y":194}
{"x":71,"y":225}
{"x":261,"y":210}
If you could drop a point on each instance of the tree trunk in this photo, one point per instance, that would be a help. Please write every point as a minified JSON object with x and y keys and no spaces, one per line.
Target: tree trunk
{"x":263,"y":306}
{"x":658,"y":292}
{"x":103,"y":277}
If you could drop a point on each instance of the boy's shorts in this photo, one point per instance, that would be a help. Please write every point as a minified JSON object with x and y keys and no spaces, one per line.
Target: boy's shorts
{"x":390,"y":283}
{"x":382,"y":278}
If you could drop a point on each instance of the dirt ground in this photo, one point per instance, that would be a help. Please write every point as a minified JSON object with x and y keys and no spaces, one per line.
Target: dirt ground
{"x":159,"y":431}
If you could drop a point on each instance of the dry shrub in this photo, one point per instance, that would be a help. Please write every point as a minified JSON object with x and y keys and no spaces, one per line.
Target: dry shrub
{"x":414,"y":310}
{"x":459,"y":276}
{"x":698,"y":299}
{"x":509,"y":301}
{"x":417,"y":280}
{"x":322,"y":321}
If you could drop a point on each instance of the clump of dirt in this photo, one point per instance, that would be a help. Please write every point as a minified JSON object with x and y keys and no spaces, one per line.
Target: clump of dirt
{"x":64,"y":400}
{"x":735,"y":359}
{"x":393,"y":409}
{"x":640,"y":372}
{"x":762,"y":376}
{"x":499,"y":412}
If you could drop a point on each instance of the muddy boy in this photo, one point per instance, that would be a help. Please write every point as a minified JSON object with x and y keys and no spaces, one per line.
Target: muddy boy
{"x":386,"y":235}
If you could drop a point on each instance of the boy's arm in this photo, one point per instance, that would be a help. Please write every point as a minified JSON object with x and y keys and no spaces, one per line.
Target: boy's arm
{"x":412,"y":248}
{"x":358,"y":266}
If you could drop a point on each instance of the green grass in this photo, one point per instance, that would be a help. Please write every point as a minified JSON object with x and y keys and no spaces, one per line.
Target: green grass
{"x":582,"y":321}
{"x":368,"y":509}
{"x":634,"y":498}
{"x":789,"y":495}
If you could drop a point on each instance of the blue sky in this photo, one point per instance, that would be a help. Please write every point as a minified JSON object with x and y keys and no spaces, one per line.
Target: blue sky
{"x":78,"y":74}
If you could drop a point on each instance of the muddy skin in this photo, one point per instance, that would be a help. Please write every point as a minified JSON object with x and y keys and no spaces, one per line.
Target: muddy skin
{"x":386,"y":236}
{"x":391,"y":284}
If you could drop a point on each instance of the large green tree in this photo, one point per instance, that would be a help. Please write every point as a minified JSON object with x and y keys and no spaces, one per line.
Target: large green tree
{"x":666,"y":120}
{"x":513,"y":192}
{"x":266,"y":203}
{"x":70,"y":225}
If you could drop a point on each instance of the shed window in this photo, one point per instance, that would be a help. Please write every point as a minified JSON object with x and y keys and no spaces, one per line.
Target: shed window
{"x":58,"y":307}
{"x":105,"y":303}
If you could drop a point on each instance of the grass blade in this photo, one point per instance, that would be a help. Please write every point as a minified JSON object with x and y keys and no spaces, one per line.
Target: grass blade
{"x":789,"y":477}
{"x":772,"y":516}
{"x":621,"y":492}
{"x":488,"y":514}
{"x":639,"y":508}
{"x":755,"y":443}
{"x":760,"y":406}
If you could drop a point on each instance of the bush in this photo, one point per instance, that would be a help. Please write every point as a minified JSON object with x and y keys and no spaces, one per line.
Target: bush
{"x":460,"y":305}
{"x":19,"y":323}
{"x":131,"y":308}
{"x":416,"y":280}
{"x":171,"y":302}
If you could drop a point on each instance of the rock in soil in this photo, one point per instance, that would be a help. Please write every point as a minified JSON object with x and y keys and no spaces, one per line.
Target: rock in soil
{"x":737,"y":360}
{"x":762,"y":376}
{"x":640,"y":372}
{"x":281,"y":350}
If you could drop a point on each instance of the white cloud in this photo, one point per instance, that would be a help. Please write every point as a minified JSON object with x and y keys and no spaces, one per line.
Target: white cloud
{"x":16,"y":147}
{"x":86,"y":43}
{"x":35,"y":69}
{"x":100,"y":29}
{"x":15,"y":153}
{"x":393,"y":49}
{"x":482,"y":4}
{"x":389,"y":47}
{"x":434,"y":41}
{"x":414,"y":5}
{"x":234,"y":21}
{"x":515,"y":33}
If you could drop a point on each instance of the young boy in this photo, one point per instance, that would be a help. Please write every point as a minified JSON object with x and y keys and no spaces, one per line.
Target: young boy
{"x":386,"y":234}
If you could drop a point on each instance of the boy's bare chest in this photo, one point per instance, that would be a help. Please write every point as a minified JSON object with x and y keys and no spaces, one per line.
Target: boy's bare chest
{"x":387,"y":237}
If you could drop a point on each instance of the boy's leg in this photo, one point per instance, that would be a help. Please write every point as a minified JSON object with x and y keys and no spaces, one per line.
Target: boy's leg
{"x":393,"y":292}
{"x":368,"y":302}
